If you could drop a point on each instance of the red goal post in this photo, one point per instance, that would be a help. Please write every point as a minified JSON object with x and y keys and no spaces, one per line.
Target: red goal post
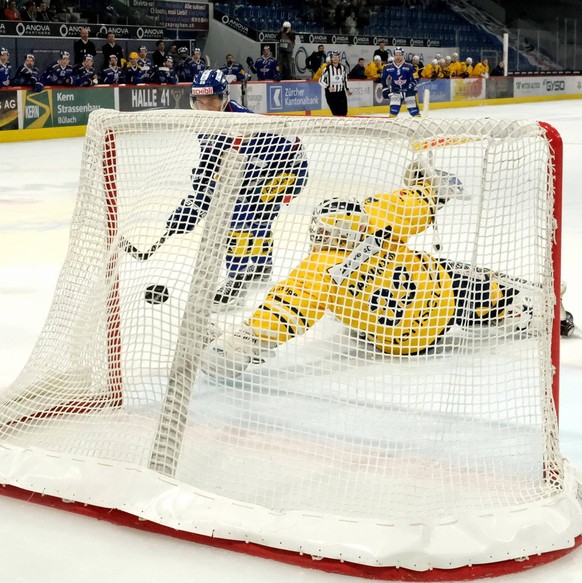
{"x":439,"y":466}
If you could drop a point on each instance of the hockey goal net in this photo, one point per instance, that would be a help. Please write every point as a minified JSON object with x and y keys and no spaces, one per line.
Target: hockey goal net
{"x":326,"y":446}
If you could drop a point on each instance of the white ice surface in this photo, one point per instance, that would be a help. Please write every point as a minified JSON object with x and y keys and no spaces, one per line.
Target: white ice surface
{"x":40,"y":545}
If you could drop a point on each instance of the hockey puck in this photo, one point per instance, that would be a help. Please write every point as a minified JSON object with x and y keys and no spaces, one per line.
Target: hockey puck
{"x":156,"y":294}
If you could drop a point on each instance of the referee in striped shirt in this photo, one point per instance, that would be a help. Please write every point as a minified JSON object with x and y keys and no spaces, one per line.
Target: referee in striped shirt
{"x":334,"y":80}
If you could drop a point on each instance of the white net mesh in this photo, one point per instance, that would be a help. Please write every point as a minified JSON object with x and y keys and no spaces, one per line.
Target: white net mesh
{"x":208,"y":370}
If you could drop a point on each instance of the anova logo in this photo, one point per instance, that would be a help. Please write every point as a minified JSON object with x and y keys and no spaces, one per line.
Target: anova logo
{"x":33,"y":29}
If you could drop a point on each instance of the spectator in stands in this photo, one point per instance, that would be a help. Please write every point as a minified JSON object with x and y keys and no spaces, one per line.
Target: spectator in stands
{"x":499,"y":70}
{"x":382,"y":52}
{"x":481,"y":69}
{"x":233,"y":70}
{"x":418,"y":66}
{"x":83,"y":46}
{"x":52,"y":12}
{"x":59,"y":73}
{"x":132,"y":73}
{"x":29,"y":14}
{"x":5,"y":68}
{"x":113,"y":74}
{"x":42,"y":14}
{"x":286,"y":41}
{"x":173,"y":52}
{"x":359,"y":70}
{"x":112,"y":48}
{"x":84,"y":74}
{"x":164,"y":75}
{"x":316,"y":59}
{"x":433,"y":71}
{"x":109,"y":15}
{"x":12,"y":12}
{"x":27,"y":75}
{"x":159,"y":54}
{"x":351,"y":23}
{"x":266,"y":66}
{"x":374,"y":69}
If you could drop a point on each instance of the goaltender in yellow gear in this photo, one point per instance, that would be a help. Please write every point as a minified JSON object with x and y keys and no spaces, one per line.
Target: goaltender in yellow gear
{"x":401,"y":300}
{"x":361,"y":269}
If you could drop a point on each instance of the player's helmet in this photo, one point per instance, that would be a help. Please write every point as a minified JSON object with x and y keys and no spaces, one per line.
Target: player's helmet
{"x":210,"y":82}
{"x":337,"y":224}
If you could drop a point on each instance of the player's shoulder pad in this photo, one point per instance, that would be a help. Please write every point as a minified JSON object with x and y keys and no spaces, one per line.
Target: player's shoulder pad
{"x":235,"y":107}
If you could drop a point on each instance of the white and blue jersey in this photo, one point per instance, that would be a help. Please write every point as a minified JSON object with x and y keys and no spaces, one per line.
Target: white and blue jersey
{"x":5,"y":73}
{"x":398,"y":79}
{"x":235,"y":69}
{"x":400,"y":85}
{"x":275,"y":173}
{"x":134,"y":76}
{"x":111,"y":76}
{"x":188,"y":69}
{"x":27,"y":77}
{"x":267,"y":69}
{"x":163,"y":76}
{"x":83,"y":76}
{"x":55,"y":74}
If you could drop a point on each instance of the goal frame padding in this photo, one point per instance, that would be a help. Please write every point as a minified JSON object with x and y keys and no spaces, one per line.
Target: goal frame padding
{"x":467,"y":573}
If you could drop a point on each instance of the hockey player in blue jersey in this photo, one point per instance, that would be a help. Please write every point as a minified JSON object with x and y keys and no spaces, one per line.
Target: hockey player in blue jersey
{"x":59,"y":73}
{"x":164,"y":75}
{"x":112,"y":75}
{"x":266,"y":66}
{"x":84,"y":74}
{"x":233,"y":69}
{"x":5,"y":68}
{"x":132,"y":72}
{"x":399,"y":84}
{"x":191,"y":66}
{"x":275,"y":172}
{"x":27,"y":75}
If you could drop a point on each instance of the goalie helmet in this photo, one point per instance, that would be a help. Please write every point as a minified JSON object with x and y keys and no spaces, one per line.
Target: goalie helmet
{"x":337,"y":224}
{"x":207,"y":84}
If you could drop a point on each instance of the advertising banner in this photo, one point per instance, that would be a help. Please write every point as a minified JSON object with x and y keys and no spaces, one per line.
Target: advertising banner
{"x":256,"y":97}
{"x":154,"y":97}
{"x":499,"y":87}
{"x":467,"y":89}
{"x":64,"y":107}
{"x":440,"y":90}
{"x":362,"y":94}
{"x":547,"y":86}
{"x":175,"y":15}
{"x":8,"y":110}
{"x":300,"y":96}
{"x":56,"y":29}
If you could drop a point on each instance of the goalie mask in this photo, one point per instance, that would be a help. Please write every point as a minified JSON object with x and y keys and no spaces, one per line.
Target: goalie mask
{"x":209,"y":91}
{"x":337,"y":224}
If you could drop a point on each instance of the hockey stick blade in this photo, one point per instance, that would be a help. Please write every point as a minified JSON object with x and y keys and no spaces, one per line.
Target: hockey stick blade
{"x":141,"y":255}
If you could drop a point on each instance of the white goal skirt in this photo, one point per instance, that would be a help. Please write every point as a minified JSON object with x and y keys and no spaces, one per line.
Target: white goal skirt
{"x":329,"y":448}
